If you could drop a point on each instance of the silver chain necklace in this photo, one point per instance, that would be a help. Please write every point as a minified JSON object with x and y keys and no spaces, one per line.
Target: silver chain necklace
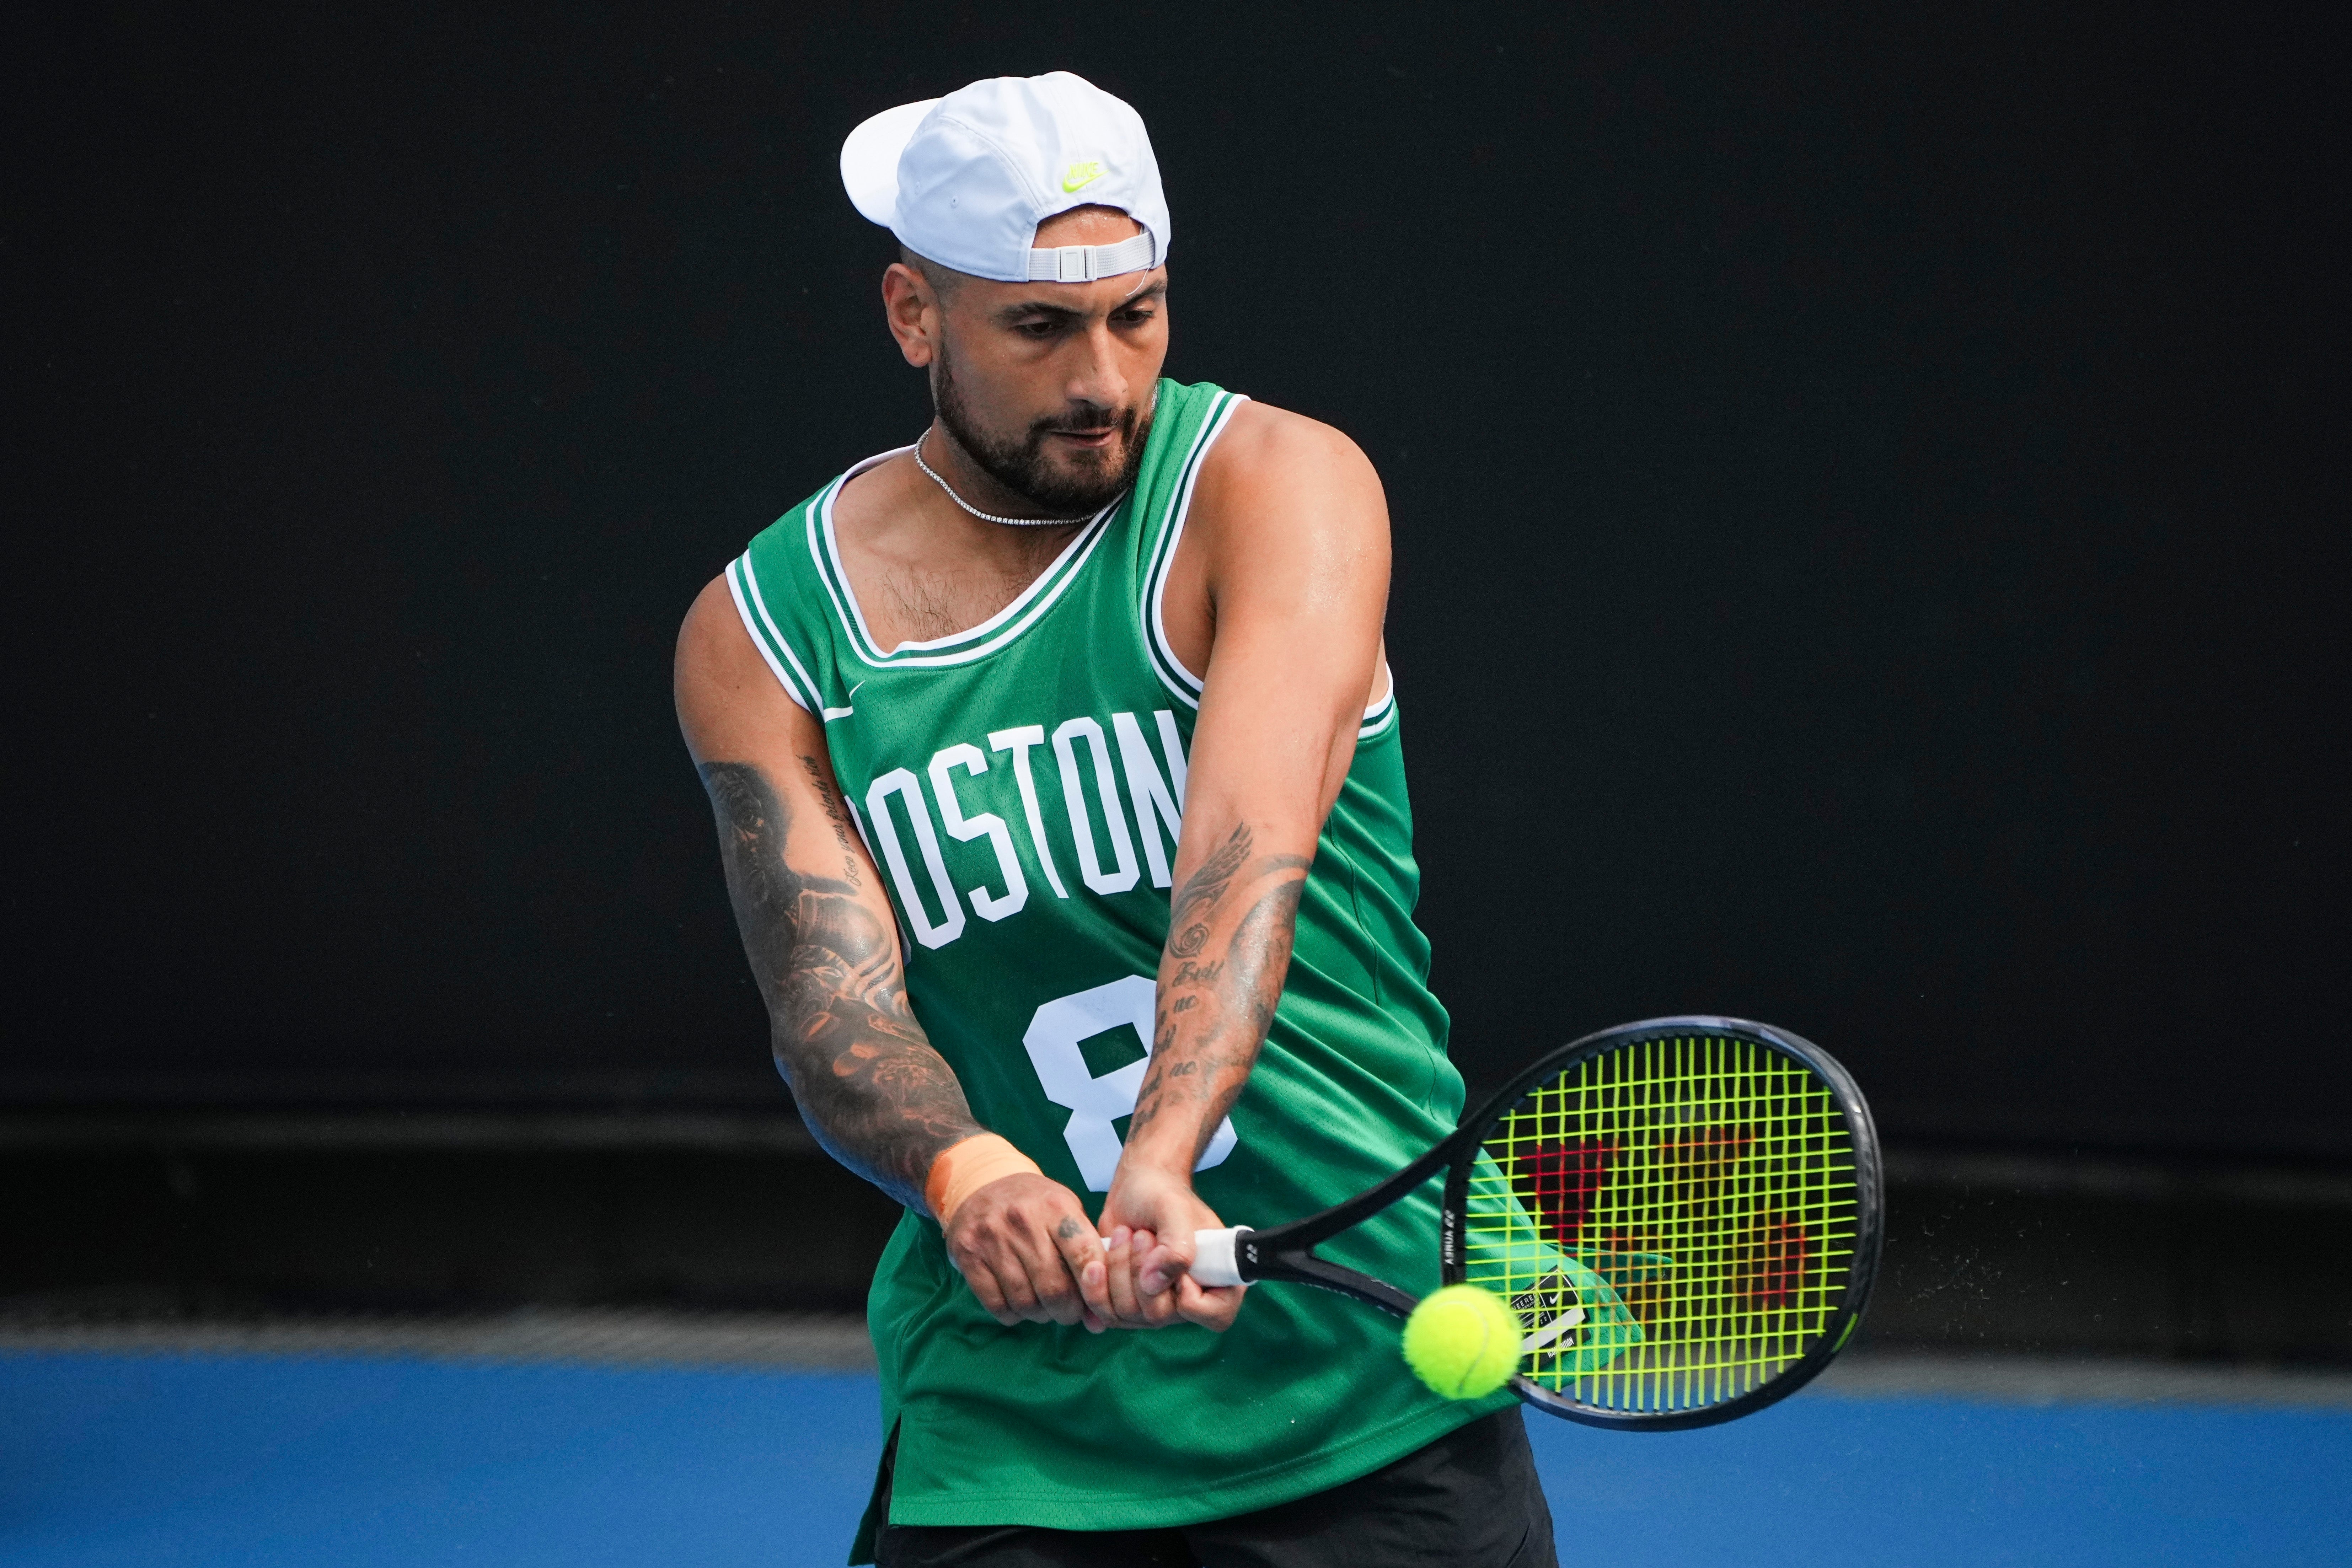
{"x":990,"y":517}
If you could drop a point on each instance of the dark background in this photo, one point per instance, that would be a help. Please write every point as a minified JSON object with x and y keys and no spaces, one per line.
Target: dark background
{"x":1867,"y":554}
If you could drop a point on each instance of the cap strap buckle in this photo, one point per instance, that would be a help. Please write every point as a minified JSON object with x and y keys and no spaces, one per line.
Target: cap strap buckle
{"x":1086,"y":263}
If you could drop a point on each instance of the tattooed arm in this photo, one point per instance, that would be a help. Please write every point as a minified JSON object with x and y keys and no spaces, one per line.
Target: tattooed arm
{"x":871,"y":1088}
{"x":1278,"y":589}
{"x":823,"y":948}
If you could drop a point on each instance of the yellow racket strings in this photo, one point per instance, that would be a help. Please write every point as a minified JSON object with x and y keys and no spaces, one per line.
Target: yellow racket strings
{"x":1674,"y":1221}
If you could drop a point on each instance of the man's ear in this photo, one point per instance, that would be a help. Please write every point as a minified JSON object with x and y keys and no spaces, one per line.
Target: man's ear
{"x":913,"y":308}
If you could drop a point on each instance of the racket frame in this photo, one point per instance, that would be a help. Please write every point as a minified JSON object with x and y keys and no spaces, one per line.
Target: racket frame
{"x":1286,"y":1252}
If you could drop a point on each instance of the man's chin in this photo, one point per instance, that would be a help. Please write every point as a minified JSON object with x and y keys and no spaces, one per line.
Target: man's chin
{"x":1083,"y":481}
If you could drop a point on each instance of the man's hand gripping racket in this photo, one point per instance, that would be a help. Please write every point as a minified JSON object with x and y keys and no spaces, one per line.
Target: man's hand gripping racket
{"x":1683,"y":1214}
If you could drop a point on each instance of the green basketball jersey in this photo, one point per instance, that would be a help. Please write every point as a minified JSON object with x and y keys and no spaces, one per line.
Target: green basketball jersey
{"x":1021,"y":785}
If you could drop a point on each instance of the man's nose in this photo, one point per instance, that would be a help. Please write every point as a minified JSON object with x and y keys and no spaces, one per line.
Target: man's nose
{"x":1098,"y":378}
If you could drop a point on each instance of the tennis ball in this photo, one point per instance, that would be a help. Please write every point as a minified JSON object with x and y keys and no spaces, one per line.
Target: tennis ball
{"x":1463,"y":1341}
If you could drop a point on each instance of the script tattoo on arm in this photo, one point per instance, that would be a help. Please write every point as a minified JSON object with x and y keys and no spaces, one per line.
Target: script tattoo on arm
{"x":835,"y":814}
{"x":1213,"y":1013}
{"x":872,"y":1089}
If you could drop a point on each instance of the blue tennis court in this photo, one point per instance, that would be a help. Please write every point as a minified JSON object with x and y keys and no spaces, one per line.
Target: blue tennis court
{"x":260,"y":1461}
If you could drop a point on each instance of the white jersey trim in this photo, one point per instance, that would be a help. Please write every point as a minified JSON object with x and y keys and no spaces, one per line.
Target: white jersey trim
{"x":740,"y":575}
{"x":1170,"y":534}
{"x":1007,"y":623}
{"x":1377,"y":712}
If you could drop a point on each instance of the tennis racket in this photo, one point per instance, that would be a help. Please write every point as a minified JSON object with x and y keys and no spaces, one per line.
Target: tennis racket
{"x":1685,"y":1214}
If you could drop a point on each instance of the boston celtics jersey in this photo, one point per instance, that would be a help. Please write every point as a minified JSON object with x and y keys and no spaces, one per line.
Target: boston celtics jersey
{"x":1021,"y":786}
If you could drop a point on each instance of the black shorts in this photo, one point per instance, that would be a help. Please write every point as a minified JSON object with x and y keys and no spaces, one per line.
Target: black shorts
{"x":1470,"y":1499}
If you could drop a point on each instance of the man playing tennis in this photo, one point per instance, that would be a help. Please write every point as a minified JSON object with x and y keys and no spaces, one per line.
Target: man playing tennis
{"x":1057,"y":780}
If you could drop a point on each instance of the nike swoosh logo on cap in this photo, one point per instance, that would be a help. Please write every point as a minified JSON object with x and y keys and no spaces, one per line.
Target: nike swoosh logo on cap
{"x":1080,"y":177}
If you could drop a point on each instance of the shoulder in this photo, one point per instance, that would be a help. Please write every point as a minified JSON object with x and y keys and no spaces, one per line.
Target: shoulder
{"x":713,"y":647}
{"x":1270,"y":449}
{"x":731,"y":700}
{"x":737,"y":636}
{"x":1277,"y":482}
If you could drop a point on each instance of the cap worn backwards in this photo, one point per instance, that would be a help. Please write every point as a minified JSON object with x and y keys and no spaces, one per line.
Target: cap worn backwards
{"x":966,"y":178}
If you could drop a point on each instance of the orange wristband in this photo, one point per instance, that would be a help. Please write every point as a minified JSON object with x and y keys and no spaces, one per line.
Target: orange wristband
{"x":962,"y":1169}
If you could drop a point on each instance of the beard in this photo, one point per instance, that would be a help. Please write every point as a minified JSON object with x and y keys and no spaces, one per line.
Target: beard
{"x":1091,"y":481}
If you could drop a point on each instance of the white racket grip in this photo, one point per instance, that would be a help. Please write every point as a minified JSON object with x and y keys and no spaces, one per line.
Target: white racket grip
{"x":1214,"y":1262}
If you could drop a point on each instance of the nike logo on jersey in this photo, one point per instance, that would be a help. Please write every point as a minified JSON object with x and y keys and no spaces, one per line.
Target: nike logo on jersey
{"x":1081,"y":175}
{"x":833,"y":713}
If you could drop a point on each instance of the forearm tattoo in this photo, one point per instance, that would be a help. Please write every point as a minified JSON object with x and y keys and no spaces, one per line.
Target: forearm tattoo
{"x":1213,"y":1013}
{"x":870,"y":1087}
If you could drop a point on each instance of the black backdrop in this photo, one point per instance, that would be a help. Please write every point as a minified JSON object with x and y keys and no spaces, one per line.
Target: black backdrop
{"x":1866,"y":552}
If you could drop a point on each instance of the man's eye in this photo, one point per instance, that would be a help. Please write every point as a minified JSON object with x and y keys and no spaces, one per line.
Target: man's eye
{"x":1035,"y":328}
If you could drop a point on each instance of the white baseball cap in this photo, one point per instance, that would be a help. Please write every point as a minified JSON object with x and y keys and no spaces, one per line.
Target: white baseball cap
{"x":966,"y":178}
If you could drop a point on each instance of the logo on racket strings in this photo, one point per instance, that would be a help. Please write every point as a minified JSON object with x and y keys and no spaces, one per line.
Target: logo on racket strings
{"x":1551,"y":1308}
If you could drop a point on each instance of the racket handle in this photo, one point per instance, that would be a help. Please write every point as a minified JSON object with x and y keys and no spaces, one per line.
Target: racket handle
{"x":1215,"y":1260}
